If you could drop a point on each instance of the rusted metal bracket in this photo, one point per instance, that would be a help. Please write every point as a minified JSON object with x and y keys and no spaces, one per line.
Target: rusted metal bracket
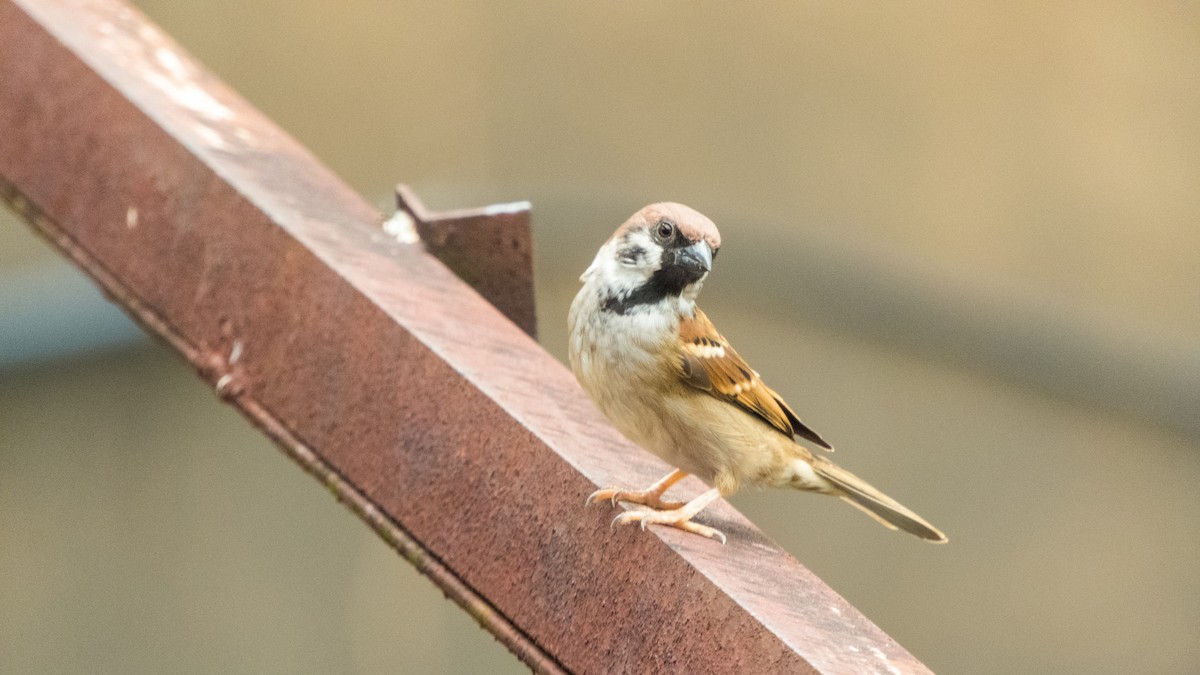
{"x":441,"y":424}
{"x":490,"y":248}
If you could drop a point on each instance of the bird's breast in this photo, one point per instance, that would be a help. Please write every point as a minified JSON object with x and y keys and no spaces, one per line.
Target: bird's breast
{"x":623,"y":361}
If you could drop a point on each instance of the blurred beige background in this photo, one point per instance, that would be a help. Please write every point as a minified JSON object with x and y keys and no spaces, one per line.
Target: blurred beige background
{"x":963,"y":240}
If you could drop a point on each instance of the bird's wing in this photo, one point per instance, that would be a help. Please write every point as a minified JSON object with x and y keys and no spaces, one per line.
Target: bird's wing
{"x":710,"y":364}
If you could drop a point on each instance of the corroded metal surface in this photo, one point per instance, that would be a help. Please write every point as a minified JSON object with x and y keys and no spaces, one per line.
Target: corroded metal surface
{"x":490,"y":248}
{"x":444,"y":426}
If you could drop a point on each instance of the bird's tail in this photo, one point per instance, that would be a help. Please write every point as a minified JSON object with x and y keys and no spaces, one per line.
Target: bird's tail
{"x":889,"y":512}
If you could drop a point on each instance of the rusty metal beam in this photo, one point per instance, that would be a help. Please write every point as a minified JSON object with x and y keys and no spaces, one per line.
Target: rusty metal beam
{"x":440,"y":423}
{"x":489,"y":248}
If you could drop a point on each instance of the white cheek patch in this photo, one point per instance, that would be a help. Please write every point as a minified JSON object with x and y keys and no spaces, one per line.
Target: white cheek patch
{"x":637,"y":249}
{"x":624,"y":274}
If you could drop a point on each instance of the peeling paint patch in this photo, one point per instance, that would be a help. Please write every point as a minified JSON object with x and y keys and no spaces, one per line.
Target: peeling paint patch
{"x":883,"y":657}
{"x":501,"y":209}
{"x":402,"y":228}
{"x":211,"y":136}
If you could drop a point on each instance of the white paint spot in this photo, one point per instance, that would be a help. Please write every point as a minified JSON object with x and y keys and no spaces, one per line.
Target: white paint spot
{"x":402,"y":227}
{"x":147,"y":33}
{"x":192,"y":96}
{"x":236,"y":352}
{"x":177,"y":79}
{"x":883,"y":657}
{"x":835,"y":610}
{"x":131,"y":217}
{"x":501,"y":209}
{"x":210,"y":136}
{"x":853,"y":649}
{"x":223,"y":383}
{"x":171,"y":61}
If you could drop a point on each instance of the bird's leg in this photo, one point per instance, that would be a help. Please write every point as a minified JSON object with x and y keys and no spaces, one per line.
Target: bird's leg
{"x":651,"y":496}
{"x":680,"y":517}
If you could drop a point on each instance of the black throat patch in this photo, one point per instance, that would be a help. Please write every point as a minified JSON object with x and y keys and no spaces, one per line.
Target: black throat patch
{"x":668,"y":280}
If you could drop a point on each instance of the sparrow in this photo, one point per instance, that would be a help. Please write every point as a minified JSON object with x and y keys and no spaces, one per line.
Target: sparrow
{"x":658,"y":369}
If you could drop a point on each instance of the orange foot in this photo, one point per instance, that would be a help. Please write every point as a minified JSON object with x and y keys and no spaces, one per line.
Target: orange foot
{"x":643,"y":497}
{"x":679,"y":518}
{"x":673,"y":514}
{"x":651,"y":496}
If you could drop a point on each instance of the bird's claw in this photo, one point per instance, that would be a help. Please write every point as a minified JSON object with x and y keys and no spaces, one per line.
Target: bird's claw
{"x":598,"y":495}
{"x":646,"y":517}
{"x":652,"y":510}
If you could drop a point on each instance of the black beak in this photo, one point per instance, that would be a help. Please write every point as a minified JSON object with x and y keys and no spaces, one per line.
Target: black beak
{"x":696,"y":259}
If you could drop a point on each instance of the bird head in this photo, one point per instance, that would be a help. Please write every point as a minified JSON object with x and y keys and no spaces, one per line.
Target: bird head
{"x":662,"y":253}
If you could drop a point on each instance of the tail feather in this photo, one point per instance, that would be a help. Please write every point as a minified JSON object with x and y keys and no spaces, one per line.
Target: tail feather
{"x":889,"y":512}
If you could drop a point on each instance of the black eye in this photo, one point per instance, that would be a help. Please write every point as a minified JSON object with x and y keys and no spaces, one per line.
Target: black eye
{"x":664,"y":230}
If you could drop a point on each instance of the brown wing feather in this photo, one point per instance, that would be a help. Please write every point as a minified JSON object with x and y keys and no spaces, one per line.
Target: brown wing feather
{"x":709,"y":363}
